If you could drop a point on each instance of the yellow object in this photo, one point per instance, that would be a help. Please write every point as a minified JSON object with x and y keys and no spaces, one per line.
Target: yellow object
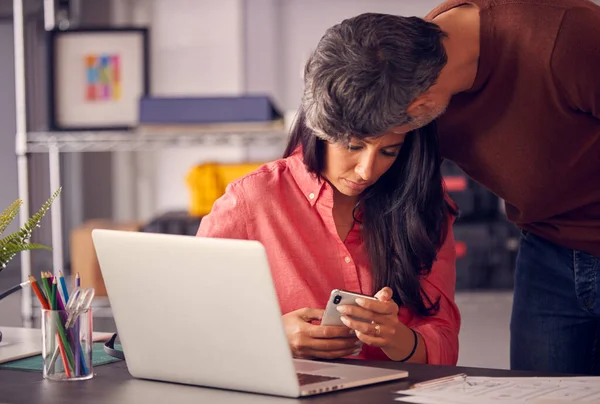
{"x":207,"y":183}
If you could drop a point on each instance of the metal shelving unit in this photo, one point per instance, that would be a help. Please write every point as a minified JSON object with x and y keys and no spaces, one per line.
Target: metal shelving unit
{"x":55,"y":143}
{"x":140,"y":140}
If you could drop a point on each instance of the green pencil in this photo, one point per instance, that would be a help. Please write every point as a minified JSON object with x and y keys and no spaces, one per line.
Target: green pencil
{"x":54,"y":304}
{"x":46,"y":287}
{"x":61,"y":328}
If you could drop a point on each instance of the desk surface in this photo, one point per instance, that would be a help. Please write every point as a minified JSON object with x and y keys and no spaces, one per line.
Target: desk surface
{"x":23,"y":342}
{"x":113,"y":384}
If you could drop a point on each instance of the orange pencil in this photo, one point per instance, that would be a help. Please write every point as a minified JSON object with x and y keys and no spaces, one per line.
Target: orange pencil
{"x":46,"y":306}
{"x":63,"y":356}
{"x":38,"y":293}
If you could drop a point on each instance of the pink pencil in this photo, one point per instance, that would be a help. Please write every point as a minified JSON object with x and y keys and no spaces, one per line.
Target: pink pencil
{"x":77,"y":345}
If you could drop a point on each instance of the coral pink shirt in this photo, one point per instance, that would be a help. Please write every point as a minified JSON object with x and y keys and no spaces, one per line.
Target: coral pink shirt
{"x":289,"y":211}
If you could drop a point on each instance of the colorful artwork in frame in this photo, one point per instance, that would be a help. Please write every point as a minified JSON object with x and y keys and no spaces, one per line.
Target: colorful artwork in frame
{"x":97,"y":77}
{"x":103,"y":77}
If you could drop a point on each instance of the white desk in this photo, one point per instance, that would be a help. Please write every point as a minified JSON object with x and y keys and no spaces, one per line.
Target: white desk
{"x":20,"y":343}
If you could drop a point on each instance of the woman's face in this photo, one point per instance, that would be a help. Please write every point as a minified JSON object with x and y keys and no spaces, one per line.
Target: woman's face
{"x":354,"y":167}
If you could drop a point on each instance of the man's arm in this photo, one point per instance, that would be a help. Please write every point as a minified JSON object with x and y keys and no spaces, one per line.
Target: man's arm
{"x":575,"y":60}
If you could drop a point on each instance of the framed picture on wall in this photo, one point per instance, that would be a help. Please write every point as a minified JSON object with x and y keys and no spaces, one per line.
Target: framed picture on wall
{"x":97,"y":77}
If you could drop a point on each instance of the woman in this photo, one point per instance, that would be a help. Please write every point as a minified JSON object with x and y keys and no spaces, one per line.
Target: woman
{"x":357,"y":203}
{"x":365,"y":214}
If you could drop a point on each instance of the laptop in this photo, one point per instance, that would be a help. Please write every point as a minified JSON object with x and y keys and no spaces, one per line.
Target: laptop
{"x":204,"y":311}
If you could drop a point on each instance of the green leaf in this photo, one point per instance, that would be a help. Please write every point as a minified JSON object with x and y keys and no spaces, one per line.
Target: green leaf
{"x":7,"y":253}
{"x":19,"y":240}
{"x":9,"y":214}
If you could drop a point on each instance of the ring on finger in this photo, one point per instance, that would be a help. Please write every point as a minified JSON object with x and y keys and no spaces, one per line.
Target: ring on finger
{"x":377,"y":328}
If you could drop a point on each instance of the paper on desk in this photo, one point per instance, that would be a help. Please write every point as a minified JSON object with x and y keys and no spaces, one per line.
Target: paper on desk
{"x":430,"y":400}
{"x":529,"y":390}
{"x":422,"y":400}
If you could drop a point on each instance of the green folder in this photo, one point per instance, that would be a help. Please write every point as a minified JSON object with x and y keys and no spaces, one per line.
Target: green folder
{"x":35,"y":363}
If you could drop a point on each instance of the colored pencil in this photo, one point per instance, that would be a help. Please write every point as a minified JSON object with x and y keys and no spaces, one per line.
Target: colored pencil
{"x":74,"y":338}
{"x":65,"y":349}
{"x":46,"y":289}
{"x":62,"y":342}
{"x":66,"y":353}
{"x":63,"y":286}
{"x":77,"y":330}
{"x":50,"y":277}
{"x":38,"y":292}
{"x":73,"y":335}
{"x":53,"y":300}
{"x":56,"y":350}
{"x":45,"y":306}
{"x":75,"y":361}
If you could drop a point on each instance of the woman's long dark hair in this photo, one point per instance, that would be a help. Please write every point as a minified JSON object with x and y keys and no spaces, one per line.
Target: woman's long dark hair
{"x":404,"y":214}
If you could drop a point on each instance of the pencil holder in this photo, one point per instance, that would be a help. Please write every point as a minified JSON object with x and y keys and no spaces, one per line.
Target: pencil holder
{"x":67,"y":345}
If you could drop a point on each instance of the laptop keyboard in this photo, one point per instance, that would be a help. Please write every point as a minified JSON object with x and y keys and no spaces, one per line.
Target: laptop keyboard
{"x":306,"y":378}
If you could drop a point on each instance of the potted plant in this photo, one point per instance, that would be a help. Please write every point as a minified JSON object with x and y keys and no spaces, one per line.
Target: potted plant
{"x":18,"y":241}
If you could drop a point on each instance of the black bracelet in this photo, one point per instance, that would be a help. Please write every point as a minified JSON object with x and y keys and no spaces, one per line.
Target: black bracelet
{"x":414,"y":347}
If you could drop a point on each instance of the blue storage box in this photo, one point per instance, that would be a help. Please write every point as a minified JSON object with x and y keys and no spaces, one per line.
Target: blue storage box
{"x":203,"y":110}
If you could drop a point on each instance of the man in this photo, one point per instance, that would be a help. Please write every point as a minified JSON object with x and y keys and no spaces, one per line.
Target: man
{"x":516,"y":84}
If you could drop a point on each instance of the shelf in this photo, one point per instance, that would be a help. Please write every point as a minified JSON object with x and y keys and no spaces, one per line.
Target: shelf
{"x":42,"y":142}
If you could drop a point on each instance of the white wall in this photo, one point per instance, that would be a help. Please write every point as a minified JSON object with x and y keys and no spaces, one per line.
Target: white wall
{"x":304,"y":22}
{"x":263,"y":48}
{"x":197,"y":48}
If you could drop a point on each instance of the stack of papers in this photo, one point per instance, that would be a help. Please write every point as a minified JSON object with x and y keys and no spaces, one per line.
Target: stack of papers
{"x":514,"y":390}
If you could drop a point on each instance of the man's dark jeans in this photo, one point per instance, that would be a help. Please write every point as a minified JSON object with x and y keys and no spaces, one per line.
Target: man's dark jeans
{"x":555,"y":324}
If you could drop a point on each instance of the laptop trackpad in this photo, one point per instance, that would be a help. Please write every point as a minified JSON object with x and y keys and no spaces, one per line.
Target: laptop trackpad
{"x":305,"y":366}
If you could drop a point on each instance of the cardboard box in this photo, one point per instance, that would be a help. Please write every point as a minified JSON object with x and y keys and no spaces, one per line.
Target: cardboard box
{"x":83,"y":254}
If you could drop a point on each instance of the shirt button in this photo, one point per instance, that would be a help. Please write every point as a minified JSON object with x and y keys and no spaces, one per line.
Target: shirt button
{"x":347,"y":259}
{"x":311,"y":195}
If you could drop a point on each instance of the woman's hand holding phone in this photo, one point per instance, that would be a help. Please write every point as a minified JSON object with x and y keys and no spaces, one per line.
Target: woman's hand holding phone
{"x":380,"y":326}
{"x":309,"y":341}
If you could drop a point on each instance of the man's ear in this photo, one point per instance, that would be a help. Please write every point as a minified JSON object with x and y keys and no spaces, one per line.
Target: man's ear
{"x":421,"y":106}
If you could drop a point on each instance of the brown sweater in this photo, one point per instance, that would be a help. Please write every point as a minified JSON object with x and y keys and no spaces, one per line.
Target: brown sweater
{"x":529,"y":129}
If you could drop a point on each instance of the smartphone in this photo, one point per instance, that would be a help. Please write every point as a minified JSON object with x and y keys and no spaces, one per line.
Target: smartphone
{"x":337,"y":297}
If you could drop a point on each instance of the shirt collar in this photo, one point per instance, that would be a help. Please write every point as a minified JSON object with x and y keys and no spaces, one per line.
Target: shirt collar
{"x":311,"y":186}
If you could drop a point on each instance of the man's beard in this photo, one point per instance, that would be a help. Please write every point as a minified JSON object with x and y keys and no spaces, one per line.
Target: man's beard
{"x":424,"y":120}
